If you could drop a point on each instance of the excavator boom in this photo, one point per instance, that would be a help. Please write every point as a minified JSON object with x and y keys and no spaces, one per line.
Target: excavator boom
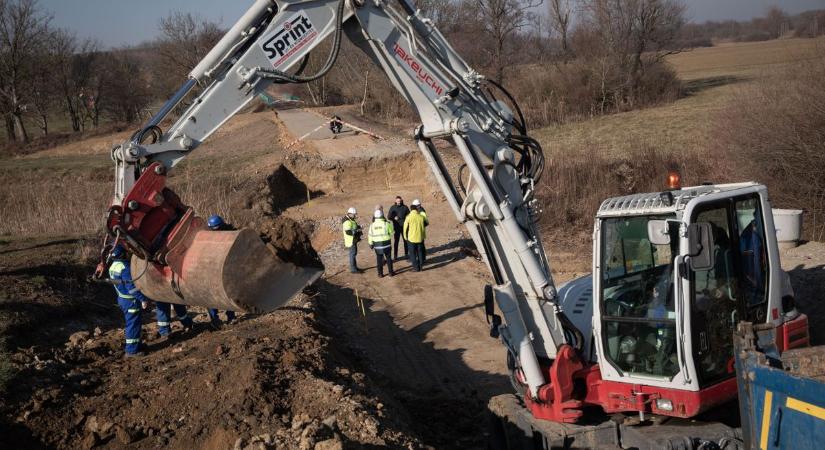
{"x":188,"y":264}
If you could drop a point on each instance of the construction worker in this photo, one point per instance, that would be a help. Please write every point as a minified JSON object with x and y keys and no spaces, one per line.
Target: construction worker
{"x":380,"y":240}
{"x":129,"y":298}
{"x":336,"y":124}
{"x":352,"y":235}
{"x":216,"y":223}
{"x":423,"y":212}
{"x":398,"y":212}
{"x":415,"y":233}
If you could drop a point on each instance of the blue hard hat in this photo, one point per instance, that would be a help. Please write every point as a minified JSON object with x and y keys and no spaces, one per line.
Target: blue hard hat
{"x":214,"y":221}
{"x":118,"y":251}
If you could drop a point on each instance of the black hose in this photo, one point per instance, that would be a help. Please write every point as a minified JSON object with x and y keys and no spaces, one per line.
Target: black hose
{"x":461,"y":178}
{"x":302,"y":66}
{"x":521,"y":126}
{"x":138,"y":135}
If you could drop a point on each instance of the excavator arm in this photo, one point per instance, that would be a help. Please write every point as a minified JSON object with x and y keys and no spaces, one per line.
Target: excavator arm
{"x":269,"y":44}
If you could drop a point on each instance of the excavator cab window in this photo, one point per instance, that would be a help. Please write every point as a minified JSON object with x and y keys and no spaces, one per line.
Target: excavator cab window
{"x":715,"y":297}
{"x":637,"y":296}
{"x":753,"y":255}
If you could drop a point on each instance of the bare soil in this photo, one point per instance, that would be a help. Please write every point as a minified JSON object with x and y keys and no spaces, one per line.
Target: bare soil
{"x":411,"y":368}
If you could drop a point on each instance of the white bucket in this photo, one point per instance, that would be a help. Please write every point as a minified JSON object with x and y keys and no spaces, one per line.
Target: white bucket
{"x":788,"y":224}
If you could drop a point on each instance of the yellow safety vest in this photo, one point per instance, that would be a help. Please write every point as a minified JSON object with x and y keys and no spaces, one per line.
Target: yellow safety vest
{"x":414,"y":227}
{"x":349,"y":225}
{"x":114,"y":274}
{"x":380,"y":234}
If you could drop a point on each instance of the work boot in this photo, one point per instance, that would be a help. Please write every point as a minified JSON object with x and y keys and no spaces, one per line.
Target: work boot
{"x":380,"y":275}
{"x":392,"y":274}
{"x":216,"y":324}
{"x":139,"y":354}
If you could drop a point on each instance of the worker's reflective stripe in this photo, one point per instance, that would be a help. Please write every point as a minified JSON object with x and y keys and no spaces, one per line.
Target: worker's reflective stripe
{"x":766,"y":420}
{"x":163,"y":324}
{"x":116,"y":268}
{"x":132,"y":341}
{"x":132,"y":291}
{"x":807,"y":408}
{"x":126,"y":296}
{"x":381,"y":247}
{"x":184,"y":317}
{"x":133,"y":310}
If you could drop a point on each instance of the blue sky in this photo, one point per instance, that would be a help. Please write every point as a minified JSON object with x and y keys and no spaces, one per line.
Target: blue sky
{"x":125,"y":22}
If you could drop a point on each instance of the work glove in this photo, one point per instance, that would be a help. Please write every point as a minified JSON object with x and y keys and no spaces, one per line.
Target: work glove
{"x":144,"y":304}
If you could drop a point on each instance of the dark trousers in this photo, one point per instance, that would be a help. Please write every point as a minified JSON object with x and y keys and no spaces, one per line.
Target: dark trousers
{"x":213,"y":315}
{"x":416,"y":255}
{"x":163,"y":313}
{"x":353,"y":252}
{"x":399,"y":237}
{"x":382,"y":255}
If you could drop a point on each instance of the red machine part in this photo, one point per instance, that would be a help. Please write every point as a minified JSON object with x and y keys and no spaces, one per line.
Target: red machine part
{"x":152,"y":217}
{"x":793,"y":334}
{"x":556,"y":400}
{"x":560,"y":401}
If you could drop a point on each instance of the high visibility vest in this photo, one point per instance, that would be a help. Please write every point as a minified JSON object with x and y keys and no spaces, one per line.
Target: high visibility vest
{"x":414,"y":227}
{"x":380,"y":234}
{"x":349,"y":225}
{"x":115,"y":270}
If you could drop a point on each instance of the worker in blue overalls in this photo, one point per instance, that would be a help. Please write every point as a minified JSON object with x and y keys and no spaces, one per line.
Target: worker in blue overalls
{"x":216,"y":223}
{"x":129,"y":298}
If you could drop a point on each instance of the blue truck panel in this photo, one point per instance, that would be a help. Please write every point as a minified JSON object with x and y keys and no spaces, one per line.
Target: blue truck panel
{"x":780,"y":409}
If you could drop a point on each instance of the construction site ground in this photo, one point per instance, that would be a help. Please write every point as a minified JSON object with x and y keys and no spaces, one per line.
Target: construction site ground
{"x":356,"y":361}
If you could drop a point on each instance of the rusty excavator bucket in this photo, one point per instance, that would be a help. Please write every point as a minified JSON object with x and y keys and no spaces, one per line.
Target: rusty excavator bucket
{"x":228,"y":270}
{"x":177,"y":259}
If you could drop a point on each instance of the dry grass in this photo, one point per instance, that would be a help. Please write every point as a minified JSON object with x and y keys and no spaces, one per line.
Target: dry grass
{"x":713,"y":77}
{"x":744,"y":59}
{"x":775,"y":132}
{"x":575,"y":186}
{"x":34,"y":206}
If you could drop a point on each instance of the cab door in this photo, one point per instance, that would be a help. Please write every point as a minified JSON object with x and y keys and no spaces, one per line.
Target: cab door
{"x":715,"y":298}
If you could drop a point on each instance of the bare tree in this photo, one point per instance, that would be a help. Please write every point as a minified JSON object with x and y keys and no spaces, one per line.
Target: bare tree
{"x":125,"y":86}
{"x":560,"y":11}
{"x":185,"y":39}
{"x":23,"y":28}
{"x":634,"y":33}
{"x":74,"y":66}
{"x":502,"y":19}
{"x":43,"y":92}
{"x":775,"y":21}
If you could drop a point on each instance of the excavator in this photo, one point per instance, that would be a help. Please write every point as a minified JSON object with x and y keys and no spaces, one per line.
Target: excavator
{"x":650,"y":332}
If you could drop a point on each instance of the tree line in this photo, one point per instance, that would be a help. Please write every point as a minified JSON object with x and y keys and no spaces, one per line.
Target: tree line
{"x":50,"y":76}
{"x":566,"y":59}
{"x":774,"y":24}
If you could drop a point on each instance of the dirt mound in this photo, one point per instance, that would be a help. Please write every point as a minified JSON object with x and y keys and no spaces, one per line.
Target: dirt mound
{"x":290,"y":241}
{"x":269,"y":381}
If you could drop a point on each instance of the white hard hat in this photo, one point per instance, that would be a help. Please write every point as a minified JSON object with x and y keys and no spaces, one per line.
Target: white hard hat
{"x":416,"y":202}
{"x":378,"y":213}
{"x":351,"y":211}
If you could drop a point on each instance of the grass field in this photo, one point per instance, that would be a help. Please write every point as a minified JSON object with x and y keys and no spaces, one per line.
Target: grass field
{"x":712,"y":77}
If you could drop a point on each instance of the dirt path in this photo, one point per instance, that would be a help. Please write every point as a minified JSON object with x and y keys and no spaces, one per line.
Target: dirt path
{"x":424,"y":332}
